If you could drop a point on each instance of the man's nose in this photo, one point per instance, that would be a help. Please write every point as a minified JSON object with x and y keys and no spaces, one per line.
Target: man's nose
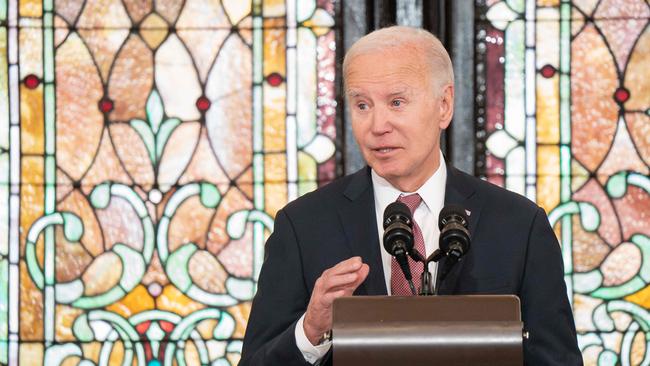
{"x":381,"y":122}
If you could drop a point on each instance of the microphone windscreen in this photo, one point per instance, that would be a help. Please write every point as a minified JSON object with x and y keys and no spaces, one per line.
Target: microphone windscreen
{"x":396,"y":208}
{"x":449,"y":212}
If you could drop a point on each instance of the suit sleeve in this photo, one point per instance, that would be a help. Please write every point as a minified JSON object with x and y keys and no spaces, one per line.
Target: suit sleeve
{"x":546,"y":311}
{"x":281,"y":299}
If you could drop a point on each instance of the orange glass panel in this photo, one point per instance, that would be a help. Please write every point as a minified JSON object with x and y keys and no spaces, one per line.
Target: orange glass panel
{"x":594,"y":111}
{"x":136,"y":301}
{"x":79,"y":122}
{"x":65,"y":317}
{"x":176,"y":302}
{"x":130,"y":81}
{"x":137,"y":9}
{"x":31,"y":307}
{"x":31,"y":120}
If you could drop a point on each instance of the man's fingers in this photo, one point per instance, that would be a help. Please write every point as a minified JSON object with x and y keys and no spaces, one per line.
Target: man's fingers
{"x":347,"y":282}
{"x":362,"y":273}
{"x":331,"y":282}
{"x":348,"y":265}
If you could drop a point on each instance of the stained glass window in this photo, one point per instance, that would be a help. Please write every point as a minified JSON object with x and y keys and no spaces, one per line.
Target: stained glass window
{"x":563,"y":117}
{"x":145,"y":147}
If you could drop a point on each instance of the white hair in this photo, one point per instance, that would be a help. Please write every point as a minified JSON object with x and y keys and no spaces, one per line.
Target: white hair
{"x":426,"y":46}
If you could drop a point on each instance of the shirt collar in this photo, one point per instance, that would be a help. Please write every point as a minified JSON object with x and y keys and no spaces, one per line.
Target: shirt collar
{"x":432,"y":191}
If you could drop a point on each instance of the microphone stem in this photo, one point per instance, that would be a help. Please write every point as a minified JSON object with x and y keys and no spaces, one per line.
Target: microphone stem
{"x":412,"y":286}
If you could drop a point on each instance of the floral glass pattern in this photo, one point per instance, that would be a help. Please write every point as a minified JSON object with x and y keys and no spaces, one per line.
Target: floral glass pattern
{"x":145,"y":147}
{"x":563,"y":117}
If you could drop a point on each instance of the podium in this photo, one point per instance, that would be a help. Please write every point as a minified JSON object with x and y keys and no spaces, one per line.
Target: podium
{"x":427,"y":330}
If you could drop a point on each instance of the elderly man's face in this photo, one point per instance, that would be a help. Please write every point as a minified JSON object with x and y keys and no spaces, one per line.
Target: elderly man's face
{"x":397,"y":115}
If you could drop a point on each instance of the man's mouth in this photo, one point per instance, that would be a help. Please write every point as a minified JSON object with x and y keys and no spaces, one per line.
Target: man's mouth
{"x":384,"y":150}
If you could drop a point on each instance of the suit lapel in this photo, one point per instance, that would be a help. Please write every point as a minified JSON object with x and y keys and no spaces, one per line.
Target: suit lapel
{"x":360,"y":226}
{"x":459,"y":190}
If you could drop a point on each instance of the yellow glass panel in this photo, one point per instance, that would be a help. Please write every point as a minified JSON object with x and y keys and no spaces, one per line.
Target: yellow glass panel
{"x":579,"y":175}
{"x":274,"y":46}
{"x":32,"y":171}
{"x":137,"y":301}
{"x":641,"y":298}
{"x":274,"y":118}
{"x":275,"y":168}
{"x":153,"y":30}
{"x":71,"y":361}
{"x":65,"y":317}
{"x":307,"y":169}
{"x":275,"y":189}
{"x":307,"y":173}
{"x":91,"y":350}
{"x":31,"y":208}
{"x":548,"y":181}
{"x":548,"y":110}
{"x":176,"y":302}
{"x":273,"y":8}
{"x":30,"y":354}
{"x":548,"y":192}
{"x":30,"y":8}
{"x":31,"y":308}
{"x":31,"y":120}
{"x":275,"y":197}
{"x":240,"y":313}
{"x":117,"y":354}
{"x":548,"y":160}
{"x":548,"y":2}
{"x":191,"y":354}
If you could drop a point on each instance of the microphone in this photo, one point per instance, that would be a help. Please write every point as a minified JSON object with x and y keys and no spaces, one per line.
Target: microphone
{"x":398,"y":237}
{"x":454,"y":236}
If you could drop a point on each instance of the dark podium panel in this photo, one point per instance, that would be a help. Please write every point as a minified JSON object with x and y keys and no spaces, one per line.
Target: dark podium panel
{"x":427,"y":330}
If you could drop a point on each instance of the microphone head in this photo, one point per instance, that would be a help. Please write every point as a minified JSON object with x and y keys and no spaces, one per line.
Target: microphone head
{"x":395,"y":211}
{"x":452,"y":212}
{"x":398,"y":232}
{"x":454,"y":236}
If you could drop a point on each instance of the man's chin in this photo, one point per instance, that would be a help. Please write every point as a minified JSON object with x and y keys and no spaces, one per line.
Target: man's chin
{"x":388,"y":172}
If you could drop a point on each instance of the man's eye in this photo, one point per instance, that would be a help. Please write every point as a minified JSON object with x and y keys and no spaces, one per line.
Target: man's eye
{"x":397,"y":103}
{"x":362,"y":106}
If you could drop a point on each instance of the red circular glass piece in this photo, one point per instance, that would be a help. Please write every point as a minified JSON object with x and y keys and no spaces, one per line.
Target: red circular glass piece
{"x":621,"y":95}
{"x":105,"y":105}
{"x":32,"y":81}
{"x":548,"y":71}
{"x":203,"y":104}
{"x":274,"y":79}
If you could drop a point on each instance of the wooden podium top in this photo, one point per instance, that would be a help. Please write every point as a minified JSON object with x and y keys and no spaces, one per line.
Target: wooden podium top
{"x":431,"y":330}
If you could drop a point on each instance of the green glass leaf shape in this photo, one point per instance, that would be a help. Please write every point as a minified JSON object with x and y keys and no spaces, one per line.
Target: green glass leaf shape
{"x":155,"y":110}
{"x":143,"y":129}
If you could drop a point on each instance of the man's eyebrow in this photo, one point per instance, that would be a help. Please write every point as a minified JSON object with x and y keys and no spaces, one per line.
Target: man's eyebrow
{"x":400,"y":91}
{"x":354,"y":93}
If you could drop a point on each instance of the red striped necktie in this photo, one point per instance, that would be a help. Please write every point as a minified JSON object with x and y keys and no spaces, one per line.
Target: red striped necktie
{"x":399,"y":286}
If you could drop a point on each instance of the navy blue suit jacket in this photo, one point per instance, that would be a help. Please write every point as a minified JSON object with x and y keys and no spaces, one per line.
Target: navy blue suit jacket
{"x":514,"y":251}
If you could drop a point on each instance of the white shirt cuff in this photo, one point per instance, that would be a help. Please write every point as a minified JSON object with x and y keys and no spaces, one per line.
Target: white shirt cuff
{"x":312,"y":354}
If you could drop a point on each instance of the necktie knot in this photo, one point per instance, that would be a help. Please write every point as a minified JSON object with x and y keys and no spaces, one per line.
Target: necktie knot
{"x":412,"y":201}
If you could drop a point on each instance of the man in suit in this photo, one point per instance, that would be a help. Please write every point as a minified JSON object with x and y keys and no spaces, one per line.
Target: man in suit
{"x":326,"y":244}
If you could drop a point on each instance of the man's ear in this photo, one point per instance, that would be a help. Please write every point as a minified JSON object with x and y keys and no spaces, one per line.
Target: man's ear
{"x":446,"y":106}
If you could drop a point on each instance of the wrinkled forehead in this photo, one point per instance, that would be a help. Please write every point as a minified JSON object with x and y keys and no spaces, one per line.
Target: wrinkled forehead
{"x":386,"y":68}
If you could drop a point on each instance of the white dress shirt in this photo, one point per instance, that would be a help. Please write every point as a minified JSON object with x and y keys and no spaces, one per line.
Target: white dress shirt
{"x":426,"y":215}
